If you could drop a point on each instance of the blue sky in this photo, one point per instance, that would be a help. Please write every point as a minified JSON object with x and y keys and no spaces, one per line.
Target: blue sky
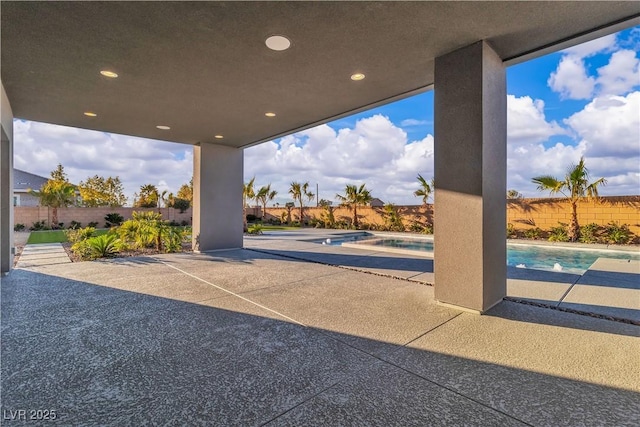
{"x":583,"y":101}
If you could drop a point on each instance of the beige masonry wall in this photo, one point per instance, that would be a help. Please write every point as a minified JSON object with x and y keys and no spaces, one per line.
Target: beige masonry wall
{"x":547,"y":213}
{"x":523,"y":214}
{"x":366,"y":215}
{"x":27,"y":215}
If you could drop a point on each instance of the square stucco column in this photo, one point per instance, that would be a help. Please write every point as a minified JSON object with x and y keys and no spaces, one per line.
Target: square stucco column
{"x":470,"y":175}
{"x":6,"y":184}
{"x":217,"y":197}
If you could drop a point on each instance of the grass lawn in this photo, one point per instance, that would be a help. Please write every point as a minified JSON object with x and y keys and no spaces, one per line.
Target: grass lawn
{"x":55,"y":236}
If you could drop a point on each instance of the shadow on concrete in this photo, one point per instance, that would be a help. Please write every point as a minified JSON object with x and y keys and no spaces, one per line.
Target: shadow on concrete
{"x":381,"y":262}
{"x":101,"y":356}
{"x":541,"y":275}
{"x":610,"y":279}
{"x":589,"y":318}
{"x":232,"y":256}
{"x":377,"y":261}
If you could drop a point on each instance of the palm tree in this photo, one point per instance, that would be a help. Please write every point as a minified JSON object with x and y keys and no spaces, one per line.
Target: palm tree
{"x":574,"y":187}
{"x":148,"y":197}
{"x":264,"y":195}
{"x":299,"y":192}
{"x":248,"y":194}
{"x":354,"y":197}
{"x":55,"y":194}
{"x":425,"y":190}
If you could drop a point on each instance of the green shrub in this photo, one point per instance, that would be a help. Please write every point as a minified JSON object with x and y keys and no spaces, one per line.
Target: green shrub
{"x":81,"y":249}
{"x":103,"y":246}
{"x":255,"y":229}
{"x":618,"y":234}
{"x":19,"y":227}
{"x":590,"y":233}
{"x":184,"y":223}
{"x":38,"y":226}
{"x":113,"y":219}
{"x":392,"y":219}
{"x":172,"y":238}
{"x":427,"y":229}
{"x":93,"y":224}
{"x":559,"y":233}
{"x":147,"y":230}
{"x":511,"y":231}
{"x":75,"y":235}
{"x":533,"y":233}
{"x":75,"y":224}
{"x":251,"y":218}
{"x":181,"y":204}
{"x":141,"y":231}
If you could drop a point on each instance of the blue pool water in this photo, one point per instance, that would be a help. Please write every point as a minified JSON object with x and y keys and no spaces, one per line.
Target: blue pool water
{"x":535,"y":257}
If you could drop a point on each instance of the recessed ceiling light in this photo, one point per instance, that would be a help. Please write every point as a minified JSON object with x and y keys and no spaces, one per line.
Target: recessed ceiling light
{"x":270,"y":114}
{"x":218,"y":137}
{"x":109,"y":74}
{"x":277,"y":43}
{"x":357,"y":76}
{"x":162,"y":127}
{"x":90,"y":114}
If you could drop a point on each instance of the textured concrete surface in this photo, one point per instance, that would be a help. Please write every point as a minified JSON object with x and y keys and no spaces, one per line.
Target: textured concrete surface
{"x":248,"y":338}
{"x":42,"y":254}
{"x":20,"y":237}
{"x":612,"y":291}
{"x":610,"y":287}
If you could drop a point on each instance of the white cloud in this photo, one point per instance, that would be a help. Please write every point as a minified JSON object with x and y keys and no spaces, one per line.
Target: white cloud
{"x":526,"y":122}
{"x":413,"y":122}
{"x":570,"y":79}
{"x":39,"y":147}
{"x":609,"y":125}
{"x":608,"y":129}
{"x":621,"y":74}
{"x":603,"y":44}
{"x":374,"y":151}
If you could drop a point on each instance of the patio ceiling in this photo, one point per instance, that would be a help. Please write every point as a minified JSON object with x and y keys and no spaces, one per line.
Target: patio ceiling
{"x":202,"y":68}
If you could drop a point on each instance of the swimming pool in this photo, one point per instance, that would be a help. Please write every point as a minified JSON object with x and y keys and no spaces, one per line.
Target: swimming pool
{"x":537,"y":257}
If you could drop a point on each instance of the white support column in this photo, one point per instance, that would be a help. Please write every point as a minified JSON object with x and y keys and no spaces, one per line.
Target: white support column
{"x":6,"y":184}
{"x":217,"y":197}
{"x":470,"y":176}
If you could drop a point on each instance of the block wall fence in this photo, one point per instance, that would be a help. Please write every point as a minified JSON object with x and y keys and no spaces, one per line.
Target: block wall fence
{"x":522,"y":213}
{"x":27,"y":215}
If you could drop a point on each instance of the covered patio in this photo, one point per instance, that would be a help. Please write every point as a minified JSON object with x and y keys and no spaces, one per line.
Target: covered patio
{"x":247,"y":337}
{"x":238,"y":334}
{"x":224,"y":76}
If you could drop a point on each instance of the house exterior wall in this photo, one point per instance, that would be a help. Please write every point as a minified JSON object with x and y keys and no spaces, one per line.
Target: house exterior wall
{"x":26,"y":199}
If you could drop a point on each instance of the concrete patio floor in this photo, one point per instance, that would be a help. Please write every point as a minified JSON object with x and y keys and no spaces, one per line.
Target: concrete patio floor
{"x":253,"y":338}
